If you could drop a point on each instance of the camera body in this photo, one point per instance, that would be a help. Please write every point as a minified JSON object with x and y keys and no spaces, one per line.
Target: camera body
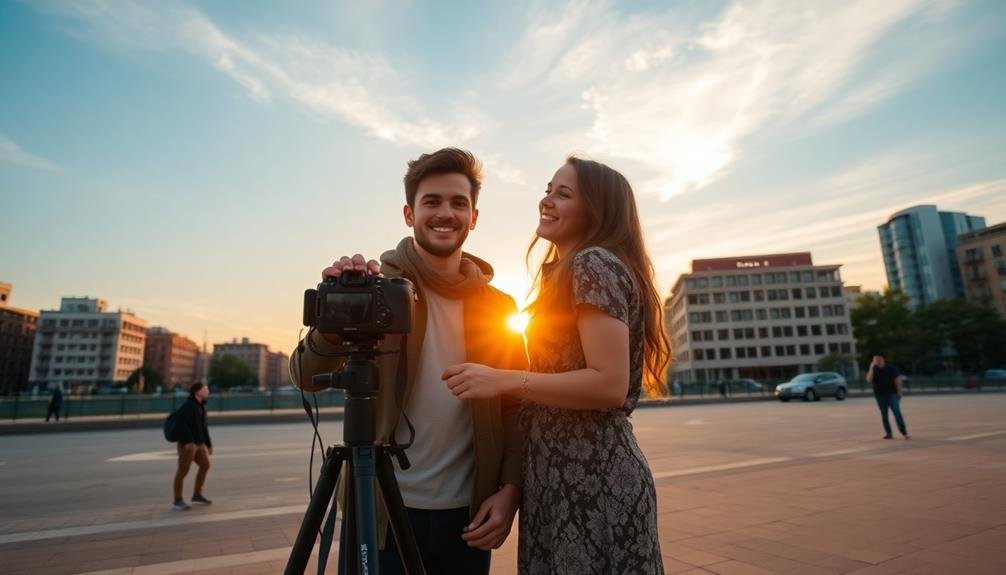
{"x":358,"y":306}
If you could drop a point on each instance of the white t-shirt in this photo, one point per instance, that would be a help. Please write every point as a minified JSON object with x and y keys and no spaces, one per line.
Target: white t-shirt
{"x":442,"y":456}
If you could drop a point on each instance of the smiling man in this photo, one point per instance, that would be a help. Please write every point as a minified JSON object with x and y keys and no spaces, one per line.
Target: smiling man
{"x":463,"y":487}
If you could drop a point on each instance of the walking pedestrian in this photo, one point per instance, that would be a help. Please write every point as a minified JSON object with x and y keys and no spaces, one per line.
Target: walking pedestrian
{"x":55,"y":404}
{"x":887,"y":389}
{"x":194,"y":445}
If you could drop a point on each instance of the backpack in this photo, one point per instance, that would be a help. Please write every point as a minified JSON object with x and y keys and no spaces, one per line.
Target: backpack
{"x":171,"y":426}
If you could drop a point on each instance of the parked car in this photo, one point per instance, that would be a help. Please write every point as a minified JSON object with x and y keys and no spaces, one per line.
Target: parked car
{"x":994,"y":374}
{"x":813,"y":386}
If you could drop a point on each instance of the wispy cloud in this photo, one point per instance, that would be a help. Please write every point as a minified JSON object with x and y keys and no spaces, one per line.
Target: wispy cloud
{"x":332,"y":82}
{"x":839,"y":226}
{"x":683,"y":102}
{"x":12,"y":153}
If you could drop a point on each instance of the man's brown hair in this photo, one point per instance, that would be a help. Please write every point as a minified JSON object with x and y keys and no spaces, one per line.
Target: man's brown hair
{"x":444,"y":161}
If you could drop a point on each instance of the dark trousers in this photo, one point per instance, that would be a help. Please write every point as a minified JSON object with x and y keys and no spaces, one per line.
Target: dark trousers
{"x":438,"y":535}
{"x":53,"y":410}
{"x":891,"y":402}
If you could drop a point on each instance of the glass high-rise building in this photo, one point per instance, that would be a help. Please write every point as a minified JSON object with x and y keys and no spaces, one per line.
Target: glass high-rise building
{"x":919,"y":248}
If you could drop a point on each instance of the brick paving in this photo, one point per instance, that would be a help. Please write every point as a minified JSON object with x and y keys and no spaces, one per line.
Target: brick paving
{"x":742,"y":492}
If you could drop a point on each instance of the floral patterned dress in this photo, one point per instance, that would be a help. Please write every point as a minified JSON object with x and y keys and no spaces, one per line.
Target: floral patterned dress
{"x":589,"y":503}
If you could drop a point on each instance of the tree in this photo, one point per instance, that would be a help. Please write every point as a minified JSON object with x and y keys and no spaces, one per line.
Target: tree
{"x":228,"y":371}
{"x":962,"y":335}
{"x":837,"y":362}
{"x":151,"y":379}
{"x":885,"y":323}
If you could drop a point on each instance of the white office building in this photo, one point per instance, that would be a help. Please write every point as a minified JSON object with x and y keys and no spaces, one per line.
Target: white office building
{"x":760,"y":317}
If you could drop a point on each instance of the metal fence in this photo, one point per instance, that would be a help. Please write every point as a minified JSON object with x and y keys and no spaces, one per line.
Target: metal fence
{"x":855,"y":387}
{"x":127,"y":405}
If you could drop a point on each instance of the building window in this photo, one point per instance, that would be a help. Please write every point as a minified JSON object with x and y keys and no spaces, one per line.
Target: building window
{"x":799,"y":311}
{"x":766,"y":351}
{"x":756,"y":279}
{"x":815,"y":330}
{"x":811,"y":293}
{"x":997,"y":251}
{"x":819,"y":349}
{"x":804,"y":349}
{"x":721,"y":316}
{"x":723,"y":334}
{"x":808,"y":276}
{"x":763,"y":333}
{"x":813,"y":311}
{"x":801,"y":330}
{"x":715,"y":281}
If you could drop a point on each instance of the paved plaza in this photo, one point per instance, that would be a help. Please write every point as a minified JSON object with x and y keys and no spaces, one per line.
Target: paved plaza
{"x":743,"y":488}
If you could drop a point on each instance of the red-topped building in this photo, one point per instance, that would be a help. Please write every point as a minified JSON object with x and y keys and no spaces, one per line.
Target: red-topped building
{"x":763,"y":317}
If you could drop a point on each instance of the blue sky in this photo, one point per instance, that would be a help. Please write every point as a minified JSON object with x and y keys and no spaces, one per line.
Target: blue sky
{"x":199,"y":163}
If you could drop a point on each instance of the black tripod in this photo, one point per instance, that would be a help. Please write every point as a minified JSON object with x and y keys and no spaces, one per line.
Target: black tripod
{"x":366,"y":462}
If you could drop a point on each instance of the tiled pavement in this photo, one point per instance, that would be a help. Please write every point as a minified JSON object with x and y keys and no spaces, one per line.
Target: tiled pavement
{"x":936,"y":504}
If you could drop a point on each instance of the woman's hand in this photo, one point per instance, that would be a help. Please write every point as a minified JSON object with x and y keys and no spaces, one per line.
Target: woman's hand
{"x":476,"y":381}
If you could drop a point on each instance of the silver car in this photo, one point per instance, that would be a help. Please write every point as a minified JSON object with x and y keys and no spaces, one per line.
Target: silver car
{"x":813,"y":386}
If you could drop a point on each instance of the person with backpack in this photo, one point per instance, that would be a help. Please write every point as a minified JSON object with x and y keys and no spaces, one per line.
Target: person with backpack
{"x":188,"y":427}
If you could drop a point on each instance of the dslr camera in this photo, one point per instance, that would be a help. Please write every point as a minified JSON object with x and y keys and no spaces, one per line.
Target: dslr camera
{"x":359,"y":306}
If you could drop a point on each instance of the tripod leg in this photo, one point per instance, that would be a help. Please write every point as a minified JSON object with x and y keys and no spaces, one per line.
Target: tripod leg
{"x":401,"y":528}
{"x":364,"y":480}
{"x":302,"y":547}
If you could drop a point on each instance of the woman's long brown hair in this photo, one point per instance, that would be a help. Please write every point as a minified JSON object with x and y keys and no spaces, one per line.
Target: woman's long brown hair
{"x":613,"y":224}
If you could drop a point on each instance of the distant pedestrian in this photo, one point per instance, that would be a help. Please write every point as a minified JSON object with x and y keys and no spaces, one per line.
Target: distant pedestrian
{"x":887,"y":389}
{"x":724,"y":389}
{"x":55,"y":404}
{"x":193,"y":445}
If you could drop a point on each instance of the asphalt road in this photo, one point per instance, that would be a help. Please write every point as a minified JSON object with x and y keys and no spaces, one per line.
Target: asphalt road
{"x":63,"y":486}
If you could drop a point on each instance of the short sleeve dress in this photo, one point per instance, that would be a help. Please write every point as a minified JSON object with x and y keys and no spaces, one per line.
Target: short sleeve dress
{"x":589,"y":500}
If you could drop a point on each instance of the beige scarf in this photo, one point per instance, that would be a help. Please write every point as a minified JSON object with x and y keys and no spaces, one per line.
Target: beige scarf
{"x":404,"y":260}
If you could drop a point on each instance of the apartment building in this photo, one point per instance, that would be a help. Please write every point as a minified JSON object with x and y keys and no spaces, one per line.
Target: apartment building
{"x":269,"y":366}
{"x":982,"y":257}
{"x":17,"y":336}
{"x":172,"y":355}
{"x":765,"y":317}
{"x":83,"y":346}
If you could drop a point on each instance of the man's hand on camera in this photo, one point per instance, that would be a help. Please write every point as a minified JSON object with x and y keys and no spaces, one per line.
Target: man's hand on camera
{"x":355,"y":263}
{"x":491,"y":525}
